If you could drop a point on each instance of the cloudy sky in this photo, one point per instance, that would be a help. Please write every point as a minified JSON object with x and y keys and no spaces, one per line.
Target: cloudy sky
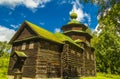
{"x":48,"y":14}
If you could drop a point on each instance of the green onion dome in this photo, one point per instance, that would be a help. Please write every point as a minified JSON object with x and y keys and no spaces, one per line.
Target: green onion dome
{"x":73,"y":15}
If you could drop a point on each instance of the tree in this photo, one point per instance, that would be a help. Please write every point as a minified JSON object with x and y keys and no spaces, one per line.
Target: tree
{"x":107,"y":7}
{"x":4,"y":48}
{"x":108,"y":42}
{"x":107,"y":49}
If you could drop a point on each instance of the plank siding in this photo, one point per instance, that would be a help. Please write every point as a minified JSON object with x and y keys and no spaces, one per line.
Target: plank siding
{"x":48,"y":59}
{"x":48,"y":63}
{"x":25,"y":33}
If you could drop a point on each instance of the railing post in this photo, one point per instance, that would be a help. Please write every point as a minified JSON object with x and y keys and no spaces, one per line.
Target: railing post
{"x":18,"y":75}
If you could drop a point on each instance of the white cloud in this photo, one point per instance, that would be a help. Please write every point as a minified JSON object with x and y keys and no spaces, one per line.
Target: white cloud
{"x":42,"y":23}
{"x":15,"y":26}
{"x":97,"y":29}
{"x":57,"y":30}
{"x":32,"y":4}
{"x":77,"y":8}
{"x":10,"y":13}
{"x":6,"y":33}
{"x":64,"y":2}
{"x":23,"y":15}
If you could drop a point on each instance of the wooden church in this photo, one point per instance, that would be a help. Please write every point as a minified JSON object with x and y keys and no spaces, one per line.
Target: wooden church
{"x":40,"y":54}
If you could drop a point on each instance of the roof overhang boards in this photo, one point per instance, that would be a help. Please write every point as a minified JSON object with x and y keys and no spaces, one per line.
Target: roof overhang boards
{"x":74,"y":25}
{"x":78,"y":32}
{"x":17,"y":33}
{"x":68,"y":40}
{"x":19,"y":54}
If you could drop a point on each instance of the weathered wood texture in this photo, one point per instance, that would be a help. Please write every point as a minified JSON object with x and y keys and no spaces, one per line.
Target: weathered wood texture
{"x":48,"y":60}
{"x":76,"y":36}
{"x":74,"y":27}
{"x":87,"y":59}
{"x":30,"y":63}
{"x":53,"y":60}
{"x":25,"y":33}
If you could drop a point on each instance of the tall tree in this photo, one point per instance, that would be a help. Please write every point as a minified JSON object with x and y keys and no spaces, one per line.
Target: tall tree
{"x":108,"y":41}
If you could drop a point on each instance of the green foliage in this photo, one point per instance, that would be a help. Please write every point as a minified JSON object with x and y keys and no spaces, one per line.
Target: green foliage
{"x":107,"y":42}
{"x":4,"y":48}
{"x":4,"y":61}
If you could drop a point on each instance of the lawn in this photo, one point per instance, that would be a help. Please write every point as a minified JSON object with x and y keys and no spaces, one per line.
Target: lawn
{"x":103,"y":76}
{"x":4,"y":66}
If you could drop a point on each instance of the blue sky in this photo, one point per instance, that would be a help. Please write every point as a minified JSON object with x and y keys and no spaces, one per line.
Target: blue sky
{"x":49,"y":14}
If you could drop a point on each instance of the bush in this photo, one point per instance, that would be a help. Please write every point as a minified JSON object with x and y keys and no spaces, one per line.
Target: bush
{"x":4,"y":61}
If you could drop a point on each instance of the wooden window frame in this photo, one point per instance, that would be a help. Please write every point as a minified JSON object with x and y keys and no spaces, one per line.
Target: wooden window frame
{"x":23,"y":46}
{"x":31,"y":45}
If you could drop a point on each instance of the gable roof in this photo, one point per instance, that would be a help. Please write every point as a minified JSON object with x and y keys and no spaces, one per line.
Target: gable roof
{"x":42,"y":33}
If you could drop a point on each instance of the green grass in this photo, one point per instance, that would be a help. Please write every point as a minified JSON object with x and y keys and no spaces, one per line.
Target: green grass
{"x":103,"y":76}
{"x":4,"y":66}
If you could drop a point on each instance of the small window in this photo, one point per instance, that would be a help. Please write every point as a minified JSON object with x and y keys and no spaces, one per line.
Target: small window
{"x":23,"y":46}
{"x":31,"y":45}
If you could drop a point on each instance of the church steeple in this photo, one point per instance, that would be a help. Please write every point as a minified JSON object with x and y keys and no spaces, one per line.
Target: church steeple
{"x":75,"y":30}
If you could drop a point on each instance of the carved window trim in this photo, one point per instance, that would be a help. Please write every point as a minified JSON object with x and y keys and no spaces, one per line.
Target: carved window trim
{"x":31,"y":45}
{"x":23,"y":46}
